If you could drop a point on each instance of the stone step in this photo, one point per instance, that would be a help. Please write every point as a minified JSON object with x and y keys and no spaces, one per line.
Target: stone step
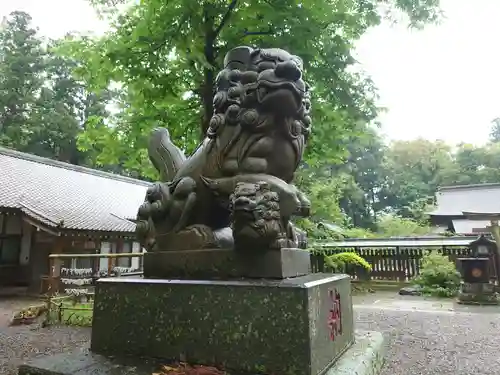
{"x":365,"y":357}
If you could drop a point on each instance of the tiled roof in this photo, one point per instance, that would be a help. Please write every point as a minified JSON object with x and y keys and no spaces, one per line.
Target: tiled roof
{"x":454,"y":200}
{"x":68,"y":196}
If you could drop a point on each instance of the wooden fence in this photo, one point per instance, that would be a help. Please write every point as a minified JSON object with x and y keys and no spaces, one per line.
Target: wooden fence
{"x":395,"y":264}
{"x":70,"y":291}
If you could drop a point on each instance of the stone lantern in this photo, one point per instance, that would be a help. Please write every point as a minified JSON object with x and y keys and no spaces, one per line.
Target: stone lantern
{"x":475,"y":287}
{"x":482,"y":247}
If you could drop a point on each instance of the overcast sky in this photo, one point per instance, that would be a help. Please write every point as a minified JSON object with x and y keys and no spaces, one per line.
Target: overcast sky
{"x":439,"y":83}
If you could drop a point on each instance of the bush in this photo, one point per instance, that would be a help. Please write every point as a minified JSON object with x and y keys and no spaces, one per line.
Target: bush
{"x":342,"y":261}
{"x":438,"y":276}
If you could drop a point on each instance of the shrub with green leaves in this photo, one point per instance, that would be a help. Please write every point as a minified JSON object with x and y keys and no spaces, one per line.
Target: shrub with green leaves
{"x":342,"y":261}
{"x":438,"y":276}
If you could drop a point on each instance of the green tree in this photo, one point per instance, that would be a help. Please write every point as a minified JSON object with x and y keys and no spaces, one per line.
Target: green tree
{"x":413,"y":171}
{"x":477,"y":164}
{"x":487,"y":159}
{"x":363,"y":164}
{"x":324,"y":193}
{"x":54,"y":125}
{"x":66,"y":108}
{"x":395,"y":226}
{"x":469,"y":160}
{"x":43,"y":107}
{"x":21,"y":78}
{"x":165,"y":56}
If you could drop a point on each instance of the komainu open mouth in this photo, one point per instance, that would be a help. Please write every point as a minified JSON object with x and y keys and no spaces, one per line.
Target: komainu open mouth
{"x":284,"y":98}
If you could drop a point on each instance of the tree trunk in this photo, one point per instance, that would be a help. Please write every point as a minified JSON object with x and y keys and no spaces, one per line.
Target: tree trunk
{"x":208,"y":85}
{"x":211,"y":34}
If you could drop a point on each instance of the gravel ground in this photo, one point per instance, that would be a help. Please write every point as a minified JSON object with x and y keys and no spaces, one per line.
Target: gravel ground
{"x":22,"y":343}
{"x":439,"y":343}
{"x":420,"y":342}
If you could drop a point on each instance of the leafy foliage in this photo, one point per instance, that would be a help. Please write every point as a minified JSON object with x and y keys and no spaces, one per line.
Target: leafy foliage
{"x":342,"y":261}
{"x":157,"y":64}
{"x":413,"y":171}
{"x":314,"y":231}
{"x":21,"y":65}
{"x":165,"y":55}
{"x":362,"y":172}
{"x":394,"y":226}
{"x":438,"y":276}
{"x":42,"y":107}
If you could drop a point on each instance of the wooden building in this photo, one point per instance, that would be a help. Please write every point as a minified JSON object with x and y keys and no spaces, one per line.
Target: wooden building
{"x":454,"y":201}
{"x":48,"y":207}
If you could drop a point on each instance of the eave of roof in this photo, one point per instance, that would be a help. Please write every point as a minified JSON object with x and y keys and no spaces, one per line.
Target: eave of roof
{"x":64,"y":196}
{"x":482,"y":215}
{"x":470,"y":187}
{"x":444,"y":213}
{"x":410,"y":242}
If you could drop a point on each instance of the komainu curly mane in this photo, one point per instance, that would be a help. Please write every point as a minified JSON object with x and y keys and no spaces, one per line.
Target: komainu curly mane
{"x":260,"y":92}
{"x":256,"y":135}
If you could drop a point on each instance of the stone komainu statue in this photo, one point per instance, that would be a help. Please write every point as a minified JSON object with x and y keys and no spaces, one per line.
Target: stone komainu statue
{"x":235,"y":189}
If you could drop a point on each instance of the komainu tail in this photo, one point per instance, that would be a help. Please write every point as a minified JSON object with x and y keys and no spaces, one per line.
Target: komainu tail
{"x":166,"y":157}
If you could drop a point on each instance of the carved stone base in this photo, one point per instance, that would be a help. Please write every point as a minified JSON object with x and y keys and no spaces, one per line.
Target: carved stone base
{"x":226,"y":263}
{"x":297,"y":326}
{"x":300,"y":326}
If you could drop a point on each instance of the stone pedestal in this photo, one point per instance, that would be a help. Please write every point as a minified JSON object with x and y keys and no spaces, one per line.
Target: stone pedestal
{"x":297,"y":326}
{"x":226,"y":264}
{"x":477,"y":294}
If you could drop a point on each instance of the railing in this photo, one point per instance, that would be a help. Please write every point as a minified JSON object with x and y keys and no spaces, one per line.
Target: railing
{"x":395,"y":264}
{"x":70,"y":295}
{"x":59,"y":274}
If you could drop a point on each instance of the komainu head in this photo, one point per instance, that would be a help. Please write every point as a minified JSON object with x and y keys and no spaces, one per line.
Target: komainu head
{"x":260,"y":89}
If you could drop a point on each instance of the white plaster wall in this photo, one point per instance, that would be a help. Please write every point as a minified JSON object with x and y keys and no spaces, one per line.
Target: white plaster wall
{"x":136,"y":248}
{"x":105,"y":249}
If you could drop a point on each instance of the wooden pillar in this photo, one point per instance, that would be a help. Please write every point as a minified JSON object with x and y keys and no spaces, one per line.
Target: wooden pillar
{"x":96,"y":261}
{"x":56,"y":264}
{"x":110,"y":266}
{"x":119,"y":250}
{"x":55,"y":275}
